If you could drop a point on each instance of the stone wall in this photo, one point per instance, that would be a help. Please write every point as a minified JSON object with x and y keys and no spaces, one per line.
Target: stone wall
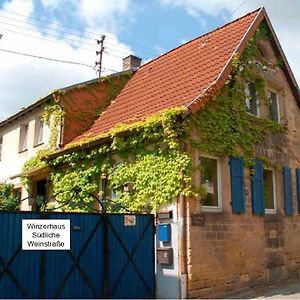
{"x":228,"y":253}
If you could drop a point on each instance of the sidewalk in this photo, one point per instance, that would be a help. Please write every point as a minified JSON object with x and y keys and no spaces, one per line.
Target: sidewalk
{"x":287,"y":290}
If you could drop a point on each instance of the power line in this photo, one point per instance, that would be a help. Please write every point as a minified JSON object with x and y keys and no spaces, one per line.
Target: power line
{"x":235,"y":10}
{"x":36,"y":31}
{"x":43,"y":27}
{"x":113,"y":54}
{"x":56,"y":60}
{"x":66,"y":38}
{"x":60,"y":42}
{"x":43,"y":39}
{"x":47,"y":58}
{"x":88,"y":32}
{"x":116,"y":50}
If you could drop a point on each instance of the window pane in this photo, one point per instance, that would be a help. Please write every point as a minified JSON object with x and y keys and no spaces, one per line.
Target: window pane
{"x":268,"y":189}
{"x":25,"y":137}
{"x":274,"y":113}
{"x":209,"y":181}
{"x":41,"y":131}
{"x":251,"y":101}
{"x":1,"y":142}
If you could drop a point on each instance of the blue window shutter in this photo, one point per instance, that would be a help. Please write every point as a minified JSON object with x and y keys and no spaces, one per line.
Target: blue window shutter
{"x":257,"y":189}
{"x":298,"y":188}
{"x":288,"y":192}
{"x":237,"y":185}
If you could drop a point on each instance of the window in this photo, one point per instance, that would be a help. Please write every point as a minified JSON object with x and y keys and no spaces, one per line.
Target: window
{"x":269,"y":191}
{"x":210,"y":183}
{"x":273,"y":106}
{"x":107,"y":196}
{"x":251,"y":101}
{"x":1,"y":146}
{"x":105,"y":191}
{"x":39,"y":131}
{"x":23,"y":137}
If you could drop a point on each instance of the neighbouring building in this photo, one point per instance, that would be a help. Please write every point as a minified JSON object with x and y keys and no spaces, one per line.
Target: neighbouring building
{"x":49,"y":124}
{"x":207,"y":135}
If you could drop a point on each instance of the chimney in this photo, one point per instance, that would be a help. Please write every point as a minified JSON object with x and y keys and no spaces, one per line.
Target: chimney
{"x":131,"y":63}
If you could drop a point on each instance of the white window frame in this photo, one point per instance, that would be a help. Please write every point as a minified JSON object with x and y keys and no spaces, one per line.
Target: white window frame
{"x":277,"y":102}
{"x":247,"y":100}
{"x":272,"y":210}
{"x":219,"y":187}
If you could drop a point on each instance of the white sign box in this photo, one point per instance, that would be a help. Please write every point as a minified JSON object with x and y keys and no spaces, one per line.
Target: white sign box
{"x":45,"y":234}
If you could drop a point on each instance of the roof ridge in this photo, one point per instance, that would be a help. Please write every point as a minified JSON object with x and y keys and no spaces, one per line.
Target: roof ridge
{"x":201,"y":36}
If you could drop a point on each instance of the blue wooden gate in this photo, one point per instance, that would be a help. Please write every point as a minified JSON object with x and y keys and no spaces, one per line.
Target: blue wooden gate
{"x":107,"y":259}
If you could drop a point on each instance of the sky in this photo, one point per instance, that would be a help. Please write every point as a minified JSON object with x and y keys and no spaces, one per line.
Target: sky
{"x":68,"y":30}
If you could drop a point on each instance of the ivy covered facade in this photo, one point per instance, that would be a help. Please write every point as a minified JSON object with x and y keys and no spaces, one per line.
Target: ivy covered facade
{"x":155,"y":155}
{"x":226,"y":161}
{"x":45,"y":126}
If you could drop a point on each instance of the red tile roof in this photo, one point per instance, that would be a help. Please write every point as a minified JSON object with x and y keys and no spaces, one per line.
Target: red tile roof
{"x":185,"y":76}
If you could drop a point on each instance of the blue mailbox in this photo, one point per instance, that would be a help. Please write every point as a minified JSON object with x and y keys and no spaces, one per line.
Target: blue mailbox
{"x":164,"y":232}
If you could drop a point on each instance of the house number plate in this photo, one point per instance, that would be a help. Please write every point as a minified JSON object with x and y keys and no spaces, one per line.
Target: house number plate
{"x":129,"y":220}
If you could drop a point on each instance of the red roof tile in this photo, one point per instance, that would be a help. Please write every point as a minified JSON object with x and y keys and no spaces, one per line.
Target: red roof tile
{"x":182,"y":77}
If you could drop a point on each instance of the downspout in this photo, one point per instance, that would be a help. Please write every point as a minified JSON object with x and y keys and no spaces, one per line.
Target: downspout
{"x":182,"y":233}
{"x":62,"y":127}
{"x":61,"y":132}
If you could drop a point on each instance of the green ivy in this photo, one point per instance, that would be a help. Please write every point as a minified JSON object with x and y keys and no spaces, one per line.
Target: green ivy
{"x":224,"y":124}
{"x":35,"y":162}
{"x":53,"y":116}
{"x":149,"y":152}
{"x":8,"y":200}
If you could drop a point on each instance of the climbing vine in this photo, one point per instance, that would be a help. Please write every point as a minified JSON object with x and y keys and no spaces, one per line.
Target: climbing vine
{"x":144,"y":165}
{"x":52,"y":117}
{"x":149,"y":157}
{"x":8,"y":200}
{"x":225,"y":125}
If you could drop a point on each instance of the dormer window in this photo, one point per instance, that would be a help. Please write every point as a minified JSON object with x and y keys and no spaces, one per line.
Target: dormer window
{"x":251,"y":101}
{"x":273,"y":106}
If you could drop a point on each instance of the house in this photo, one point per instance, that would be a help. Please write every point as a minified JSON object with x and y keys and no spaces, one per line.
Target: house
{"x":48,"y":124}
{"x":207,"y":135}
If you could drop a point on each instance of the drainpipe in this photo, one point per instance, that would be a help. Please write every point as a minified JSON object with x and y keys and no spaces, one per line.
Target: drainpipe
{"x":61,"y":133}
{"x":182,"y":240}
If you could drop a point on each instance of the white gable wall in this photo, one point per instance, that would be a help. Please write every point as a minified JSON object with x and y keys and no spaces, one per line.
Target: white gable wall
{"x":12,"y":160}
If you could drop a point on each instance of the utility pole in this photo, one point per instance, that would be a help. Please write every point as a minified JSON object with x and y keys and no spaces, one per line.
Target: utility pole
{"x":100,"y":52}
